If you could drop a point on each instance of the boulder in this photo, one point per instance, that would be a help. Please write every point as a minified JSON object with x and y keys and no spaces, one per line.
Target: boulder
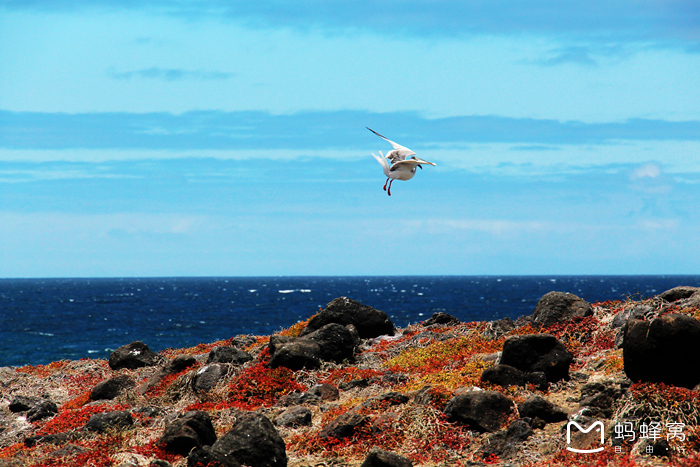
{"x":228,"y":354}
{"x":539,"y":407}
{"x":108,"y":421}
{"x":556,"y":307}
{"x":131,"y":356}
{"x":336,"y":342}
{"x":506,"y":443}
{"x":295,"y":416}
{"x":679,"y":293}
{"x":112,"y":387}
{"x":368,"y":321}
{"x":254,"y":441}
{"x":41,"y":410}
{"x":442,"y":319}
{"x":378,"y":457}
{"x":344,"y":425}
{"x":482,"y":410}
{"x":538,"y":352}
{"x":296,"y":354}
{"x":209,"y":376}
{"x":664,"y":350}
{"x":192,"y":430}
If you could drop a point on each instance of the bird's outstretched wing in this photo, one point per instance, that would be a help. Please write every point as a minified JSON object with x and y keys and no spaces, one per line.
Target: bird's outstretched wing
{"x":410,"y":163}
{"x":399,"y":153}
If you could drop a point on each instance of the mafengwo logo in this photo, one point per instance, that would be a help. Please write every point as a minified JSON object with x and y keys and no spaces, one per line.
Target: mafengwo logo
{"x":598,"y":426}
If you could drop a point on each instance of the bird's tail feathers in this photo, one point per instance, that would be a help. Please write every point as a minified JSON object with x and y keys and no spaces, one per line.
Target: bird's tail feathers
{"x":382,"y":160}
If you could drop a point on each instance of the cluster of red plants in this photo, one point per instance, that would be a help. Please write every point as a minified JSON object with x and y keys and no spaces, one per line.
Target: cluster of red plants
{"x":259,"y":386}
{"x":72,"y":419}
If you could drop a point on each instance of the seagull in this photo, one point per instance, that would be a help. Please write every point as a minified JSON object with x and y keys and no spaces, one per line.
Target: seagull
{"x":401,"y":168}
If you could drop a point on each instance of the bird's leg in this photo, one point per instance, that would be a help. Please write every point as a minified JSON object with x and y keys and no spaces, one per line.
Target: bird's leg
{"x":389,"y":190}
{"x":387,"y":181}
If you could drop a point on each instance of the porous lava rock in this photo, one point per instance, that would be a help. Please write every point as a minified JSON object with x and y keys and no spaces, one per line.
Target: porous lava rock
{"x":253,"y":440}
{"x":538,"y":352}
{"x":482,"y":410}
{"x":442,"y":319}
{"x":539,"y":407}
{"x":228,"y":354}
{"x":191,"y":430}
{"x":664,"y":350}
{"x":506,"y":443}
{"x":368,"y":321}
{"x":556,"y":307}
{"x":335,"y":341}
{"x":209,"y":376}
{"x":132,"y":356}
{"x":326,"y":391}
{"x":41,"y":410}
{"x":378,"y":457}
{"x":205,"y":457}
{"x":112,"y":387}
{"x":109,"y":421}
{"x":294,"y":416}
{"x":344,"y":425}
{"x":20,"y":403}
{"x":296,"y":354}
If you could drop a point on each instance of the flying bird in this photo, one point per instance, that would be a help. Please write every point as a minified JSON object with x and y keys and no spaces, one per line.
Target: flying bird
{"x":401,"y":168}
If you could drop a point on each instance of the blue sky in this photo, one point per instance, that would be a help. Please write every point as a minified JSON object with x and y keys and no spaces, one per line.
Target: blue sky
{"x":227,"y":138}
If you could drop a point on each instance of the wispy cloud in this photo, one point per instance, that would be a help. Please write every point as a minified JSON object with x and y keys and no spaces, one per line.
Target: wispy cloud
{"x":661,"y":21}
{"x":169,"y":74}
{"x":311,"y":130}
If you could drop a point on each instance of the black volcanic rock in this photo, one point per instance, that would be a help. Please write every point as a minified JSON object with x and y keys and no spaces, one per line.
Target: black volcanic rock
{"x":107,"y":421}
{"x":336,"y":342}
{"x":538,"y":352}
{"x":132,"y":356}
{"x":481,"y":410}
{"x":556,"y":307}
{"x":441,"y":318}
{"x":228,"y":354}
{"x":378,"y":457}
{"x":253,"y":440}
{"x":344,"y":425}
{"x":538,"y":406}
{"x":296,"y":354}
{"x":665,"y":350}
{"x":368,"y":321}
{"x":112,"y":387}
{"x":192,"y":430}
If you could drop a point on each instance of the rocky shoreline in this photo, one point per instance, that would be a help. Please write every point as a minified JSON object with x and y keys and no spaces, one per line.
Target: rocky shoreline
{"x":611,"y":383}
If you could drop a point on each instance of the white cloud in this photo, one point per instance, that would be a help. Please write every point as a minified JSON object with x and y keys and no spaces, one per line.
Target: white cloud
{"x":650,"y":170}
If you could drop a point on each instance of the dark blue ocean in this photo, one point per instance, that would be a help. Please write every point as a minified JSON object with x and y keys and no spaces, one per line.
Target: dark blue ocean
{"x":44,"y":320}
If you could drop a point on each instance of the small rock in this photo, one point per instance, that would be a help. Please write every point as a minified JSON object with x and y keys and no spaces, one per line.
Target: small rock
{"x":205,"y":457}
{"x":179,"y":363}
{"x":380,"y":458}
{"x":43,"y":409}
{"x":327,"y":392}
{"x":503,"y":375}
{"x":209,"y":376}
{"x":297,"y":398}
{"x":23,"y":403}
{"x":506,"y":443}
{"x":481,"y":410}
{"x":253,"y":440}
{"x":132,"y":356}
{"x":228,"y":355}
{"x":556,"y":307}
{"x":344,"y":425}
{"x":598,"y":397}
{"x":112,"y":387}
{"x":192,"y":430}
{"x":386,"y":400}
{"x":295,"y":416}
{"x":541,"y":408}
{"x":106,"y":421}
{"x":442,"y":319}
